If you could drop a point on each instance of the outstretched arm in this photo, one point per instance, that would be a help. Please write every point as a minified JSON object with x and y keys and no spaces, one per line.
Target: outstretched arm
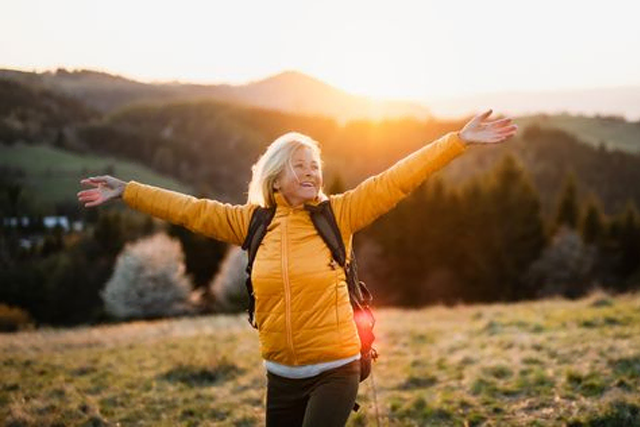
{"x":221,"y":221}
{"x":357,"y":208}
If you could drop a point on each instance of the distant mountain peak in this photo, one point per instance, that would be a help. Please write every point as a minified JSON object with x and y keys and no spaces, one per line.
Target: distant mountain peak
{"x":291,"y":75}
{"x":297,"y":82}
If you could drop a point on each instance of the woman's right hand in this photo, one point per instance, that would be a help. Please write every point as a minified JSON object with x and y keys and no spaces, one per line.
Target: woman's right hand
{"x":108,"y":188}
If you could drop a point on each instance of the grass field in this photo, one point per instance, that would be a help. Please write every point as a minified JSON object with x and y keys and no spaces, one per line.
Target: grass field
{"x":550,"y":362}
{"x":53,"y":175}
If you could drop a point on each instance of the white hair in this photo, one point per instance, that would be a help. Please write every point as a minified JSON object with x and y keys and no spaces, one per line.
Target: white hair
{"x":271,"y":164}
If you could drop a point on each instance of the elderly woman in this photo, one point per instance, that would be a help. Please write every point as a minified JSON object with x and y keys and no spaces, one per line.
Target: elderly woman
{"x":308,"y":337}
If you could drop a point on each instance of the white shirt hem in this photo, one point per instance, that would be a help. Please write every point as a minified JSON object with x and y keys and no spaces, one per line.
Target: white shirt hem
{"x":306,"y":371}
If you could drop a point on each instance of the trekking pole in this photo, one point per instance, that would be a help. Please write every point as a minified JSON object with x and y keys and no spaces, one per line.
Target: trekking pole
{"x":375,"y":399}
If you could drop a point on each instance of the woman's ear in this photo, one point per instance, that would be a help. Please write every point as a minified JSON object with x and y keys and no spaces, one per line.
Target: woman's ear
{"x":276,"y":185}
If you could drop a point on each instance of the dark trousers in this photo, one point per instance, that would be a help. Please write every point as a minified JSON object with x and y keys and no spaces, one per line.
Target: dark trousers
{"x":324,"y":400}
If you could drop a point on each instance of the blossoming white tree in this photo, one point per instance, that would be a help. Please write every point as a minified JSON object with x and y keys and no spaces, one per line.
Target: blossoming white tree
{"x":149,"y":280}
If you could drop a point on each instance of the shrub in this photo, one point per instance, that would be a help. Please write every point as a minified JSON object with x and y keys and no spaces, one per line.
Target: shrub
{"x":564,"y":268}
{"x":14,"y":319}
{"x":149,"y":280}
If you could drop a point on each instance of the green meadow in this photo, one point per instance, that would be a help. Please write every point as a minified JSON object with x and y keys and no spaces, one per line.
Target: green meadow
{"x":552,"y":362}
{"x":53,"y":175}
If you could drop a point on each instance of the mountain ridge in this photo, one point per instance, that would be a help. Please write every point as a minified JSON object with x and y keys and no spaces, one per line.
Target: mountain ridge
{"x":293,"y":91}
{"x":289,"y":91}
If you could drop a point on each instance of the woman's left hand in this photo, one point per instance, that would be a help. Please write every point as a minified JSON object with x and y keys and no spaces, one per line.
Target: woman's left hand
{"x":477,"y":131}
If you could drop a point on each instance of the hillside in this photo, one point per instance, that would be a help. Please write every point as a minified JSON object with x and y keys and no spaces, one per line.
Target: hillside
{"x":552,"y":363}
{"x":359,"y":149}
{"x":211,"y":145}
{"x":101,"y":91}
{"x":613,"y":133}
{"x":295,"y":92}
{"x":51,"y":176}
{"x":291,"y":92}
{"x":35,"y":114}
{"x":298,"y":93}
{"x":551,"y":147}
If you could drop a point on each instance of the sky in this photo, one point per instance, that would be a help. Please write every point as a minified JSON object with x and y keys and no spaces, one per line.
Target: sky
{"x":397,"y":49}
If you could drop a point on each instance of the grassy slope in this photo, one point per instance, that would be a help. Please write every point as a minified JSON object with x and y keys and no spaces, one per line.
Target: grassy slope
{"x":54,"y":175}
{"x":541,"y":363}
{"x":619,"y":135}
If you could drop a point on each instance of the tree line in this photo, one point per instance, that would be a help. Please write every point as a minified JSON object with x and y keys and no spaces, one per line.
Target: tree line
{"x":486,"y":241}
{"x":489,"y":241}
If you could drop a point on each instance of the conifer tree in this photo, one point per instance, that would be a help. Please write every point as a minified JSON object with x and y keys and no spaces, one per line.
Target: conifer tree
{"x":567,"y":213}
{"x":203,"y":255}
{"x":519,"y":226}
{"x":592,"y":224}
{"x":620,"y":249}
{"x":475,"y":242}
{"x":109,"y":231}
{"x":630,"y":240}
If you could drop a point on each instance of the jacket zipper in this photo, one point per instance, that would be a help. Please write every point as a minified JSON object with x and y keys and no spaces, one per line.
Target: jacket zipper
{"x":287,"y":288}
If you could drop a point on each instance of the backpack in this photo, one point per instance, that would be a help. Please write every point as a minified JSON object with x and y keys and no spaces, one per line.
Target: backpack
{"x":325,"y":223}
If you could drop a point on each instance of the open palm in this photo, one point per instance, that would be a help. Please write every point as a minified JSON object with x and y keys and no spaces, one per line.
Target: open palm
{"x":108,"y":188}
{"x":478,"y":131}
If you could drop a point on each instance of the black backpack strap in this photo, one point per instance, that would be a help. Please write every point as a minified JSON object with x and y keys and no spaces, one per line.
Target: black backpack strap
{"x":260,"y":220}
{"x":325,"y":222}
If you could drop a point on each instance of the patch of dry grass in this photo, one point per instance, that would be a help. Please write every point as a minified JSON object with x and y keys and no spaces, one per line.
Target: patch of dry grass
{"x":550,"y":362}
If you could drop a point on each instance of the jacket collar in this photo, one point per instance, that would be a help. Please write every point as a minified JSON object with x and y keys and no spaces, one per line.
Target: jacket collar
{"x":282,"y":202}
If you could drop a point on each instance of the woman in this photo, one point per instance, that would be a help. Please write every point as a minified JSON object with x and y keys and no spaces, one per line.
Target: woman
{"x":308,"y":338}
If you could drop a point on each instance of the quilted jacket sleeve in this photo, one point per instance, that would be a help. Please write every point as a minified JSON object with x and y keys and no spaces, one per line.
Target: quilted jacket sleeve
{"x":357,"y":208}
{"x":221,"y":221}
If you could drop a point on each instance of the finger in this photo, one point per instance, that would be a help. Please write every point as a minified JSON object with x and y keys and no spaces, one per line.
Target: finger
{"x":499,"y":123}
{"x":92,"y":204}
{"x":95,"y":180}
{"x":93,"y":193}
{"x":497,"y":138}
{"x":507,"y":129}
{"x":514,"y":129}
{"x":88,"y":198}
{"x":507,"y":135}
{"x":89,"y":181}
{"x":478,"y":118}
{"x":485,"y":114}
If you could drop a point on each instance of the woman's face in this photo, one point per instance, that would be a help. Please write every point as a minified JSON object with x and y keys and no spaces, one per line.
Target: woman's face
{"x":301,"y":179}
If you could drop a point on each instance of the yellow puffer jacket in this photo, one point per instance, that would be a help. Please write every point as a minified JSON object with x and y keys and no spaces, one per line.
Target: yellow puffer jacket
{"x":302,"y":303}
